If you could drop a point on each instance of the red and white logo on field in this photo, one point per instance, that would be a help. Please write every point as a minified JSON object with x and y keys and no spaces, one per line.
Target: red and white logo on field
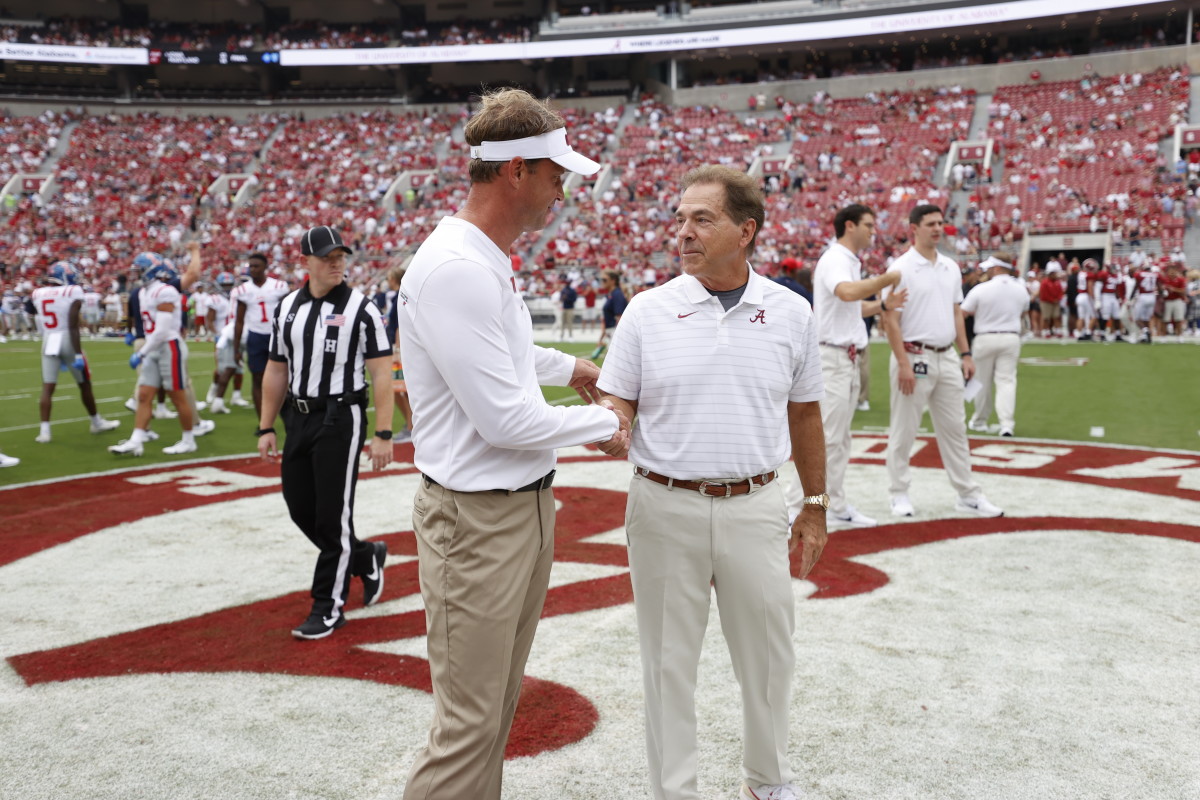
{"x":197,"y":569}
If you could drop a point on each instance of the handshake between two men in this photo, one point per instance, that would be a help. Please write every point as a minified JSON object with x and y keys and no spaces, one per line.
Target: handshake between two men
{"x":583,"y":381}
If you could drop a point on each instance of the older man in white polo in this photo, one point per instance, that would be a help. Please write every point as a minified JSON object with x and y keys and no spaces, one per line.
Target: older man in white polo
{"x":721,"y":366}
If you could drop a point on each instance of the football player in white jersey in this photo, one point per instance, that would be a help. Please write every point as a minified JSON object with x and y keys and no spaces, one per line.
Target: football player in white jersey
{"x":162,"y":356}
{"x":91,"y":310}
{"x":58,"y":305}
{"x":221,"y":321}
{"x":254,"y":308}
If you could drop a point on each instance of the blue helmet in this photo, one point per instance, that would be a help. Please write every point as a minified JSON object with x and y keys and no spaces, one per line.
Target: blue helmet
{"x":225,"y":280}
{"x":63,"y":273}
{"x":155,"y":268}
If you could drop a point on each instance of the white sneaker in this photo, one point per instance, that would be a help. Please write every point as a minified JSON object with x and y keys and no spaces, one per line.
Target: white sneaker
{"x":151,"y":436}
{"x":902,"y":506}
{"x":979,"y":506}
{"x":42,"y":438}
{"x":218,"y":406}
{"x":105,"y":425}
{"x":180,"y":447}
{"x":783,"y":792}
{"x":865,"y":405}
{"x":203,"y":426}
{"x":980,"y":427}
{"x":403,"y":436}
{"x":8,"y":461}
{"x":201,"y":405}
{"x":131,"y":404}
{"x":239,"y":402}
{"x":162,"y":412}
{"x":127,"y":446}
{"x":852,"y":516}
{"x":1006,"y":432}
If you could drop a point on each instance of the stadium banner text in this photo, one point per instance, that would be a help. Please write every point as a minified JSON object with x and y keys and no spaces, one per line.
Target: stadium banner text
{"x":65,"y":54}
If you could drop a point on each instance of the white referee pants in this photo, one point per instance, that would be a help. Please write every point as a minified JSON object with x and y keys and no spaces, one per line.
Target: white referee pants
{"x":996,"y":357}
{"x":941,"y":391}
{"x":837,"y":411}
{"x":680,"y":542}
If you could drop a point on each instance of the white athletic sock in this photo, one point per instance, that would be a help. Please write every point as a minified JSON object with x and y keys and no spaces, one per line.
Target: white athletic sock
{"x":189,"y":437}
{"x":44,"y":430}
{"x":96,"y":418}
{"x":237,"y":394}
{"x":212,"y":392}
{"x":139,"y":435}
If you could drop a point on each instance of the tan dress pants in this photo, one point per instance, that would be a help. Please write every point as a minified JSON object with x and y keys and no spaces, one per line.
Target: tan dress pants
{"x":683,"y":545}
{"x":484,"y":563}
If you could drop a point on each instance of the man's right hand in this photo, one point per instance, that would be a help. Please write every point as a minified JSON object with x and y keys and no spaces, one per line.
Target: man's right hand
{"x":618,"y":445}
{"x":266,"y":447}
{"x":906,"y":379}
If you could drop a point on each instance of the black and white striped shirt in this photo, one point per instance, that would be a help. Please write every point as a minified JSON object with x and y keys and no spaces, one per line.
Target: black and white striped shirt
{"x":327,"y":342}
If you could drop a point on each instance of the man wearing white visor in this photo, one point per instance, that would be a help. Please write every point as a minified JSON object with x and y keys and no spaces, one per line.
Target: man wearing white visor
{"x":997,"y":304}
{"x":485,"y":441}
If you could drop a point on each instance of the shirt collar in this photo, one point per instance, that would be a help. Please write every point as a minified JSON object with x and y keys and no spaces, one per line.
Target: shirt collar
{"x":335,"y":294}
{"x":696,"y":293}
{"x":847,"y":251}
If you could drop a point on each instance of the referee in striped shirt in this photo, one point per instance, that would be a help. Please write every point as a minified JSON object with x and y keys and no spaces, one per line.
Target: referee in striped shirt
{"x":324,"y":336}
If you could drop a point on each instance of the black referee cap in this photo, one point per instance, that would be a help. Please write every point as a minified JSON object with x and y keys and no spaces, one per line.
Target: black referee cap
{"x":321,"y":241}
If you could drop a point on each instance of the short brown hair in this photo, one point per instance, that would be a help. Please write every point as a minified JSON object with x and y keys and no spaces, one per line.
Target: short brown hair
{"x":506,"y":114}
{"x":743,"y":197}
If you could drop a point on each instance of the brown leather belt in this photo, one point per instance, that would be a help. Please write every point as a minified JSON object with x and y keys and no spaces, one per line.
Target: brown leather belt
{"x":711,"y":488}
{"x":918,"y":347}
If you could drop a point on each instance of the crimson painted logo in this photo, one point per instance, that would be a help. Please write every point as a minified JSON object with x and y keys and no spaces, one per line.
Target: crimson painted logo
{"x":147,"y":642}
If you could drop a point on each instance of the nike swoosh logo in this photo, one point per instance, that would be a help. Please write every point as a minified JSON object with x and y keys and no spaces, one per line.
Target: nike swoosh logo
{"x":681,"y":316}
{"x":374,"y":576}
{"x":329,"y":621}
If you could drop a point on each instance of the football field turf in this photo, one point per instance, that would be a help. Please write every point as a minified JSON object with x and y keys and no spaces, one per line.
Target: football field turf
{"x":1138,"y":395}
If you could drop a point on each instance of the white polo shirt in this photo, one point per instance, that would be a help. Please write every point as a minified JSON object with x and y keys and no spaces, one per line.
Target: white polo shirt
{"x":713,"y":386}
{"x":997,"y":304}
{"x":473,"y":372}
{"x":934,"y":289}
{"x":839,"y":322}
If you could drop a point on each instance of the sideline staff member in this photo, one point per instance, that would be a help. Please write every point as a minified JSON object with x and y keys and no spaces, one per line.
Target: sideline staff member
{"x":925,"y":371}
{"x":323,"y":336}
{"x":484,"y":438}
{"x":997,"y":304}
{"x":722,"y":367}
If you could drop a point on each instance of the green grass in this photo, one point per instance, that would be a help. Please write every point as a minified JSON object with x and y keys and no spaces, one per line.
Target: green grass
{"x":1140,"y":395}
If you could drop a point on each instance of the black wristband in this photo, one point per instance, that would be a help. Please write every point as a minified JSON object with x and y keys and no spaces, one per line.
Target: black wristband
{"x":964,"y":354}
{"x":385,"y":435}
{"x":263,"y":431}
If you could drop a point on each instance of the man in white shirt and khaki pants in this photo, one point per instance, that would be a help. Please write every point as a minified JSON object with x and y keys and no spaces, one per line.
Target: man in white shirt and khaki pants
{"x":997,"y":304}
{"x":839,"y":291}
{"x":721,"y":366}
{"x":925,"y":371}
{"x":485,"y":441}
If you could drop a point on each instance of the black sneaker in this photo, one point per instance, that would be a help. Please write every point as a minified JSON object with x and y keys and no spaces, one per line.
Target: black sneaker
{"x":373,"y":582}
{"x":318,"y":626}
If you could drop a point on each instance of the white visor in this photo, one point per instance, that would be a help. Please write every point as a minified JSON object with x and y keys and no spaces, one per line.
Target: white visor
{"x":552,"y":145}
{"x":992,"y":261}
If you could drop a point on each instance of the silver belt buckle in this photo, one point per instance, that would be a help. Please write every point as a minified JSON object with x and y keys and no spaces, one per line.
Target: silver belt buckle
{"x":301,"y":405}
{"x":703,"y":488}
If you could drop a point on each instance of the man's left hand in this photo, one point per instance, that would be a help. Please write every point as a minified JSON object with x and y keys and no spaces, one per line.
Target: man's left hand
{"x":583,"y":380}
{"x":808,"y":533}
{"x":381,"y":452}
{"x":968,"y":367}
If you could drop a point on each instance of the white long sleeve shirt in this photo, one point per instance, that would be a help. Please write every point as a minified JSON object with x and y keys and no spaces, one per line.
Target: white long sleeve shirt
{"x":474,"y":374}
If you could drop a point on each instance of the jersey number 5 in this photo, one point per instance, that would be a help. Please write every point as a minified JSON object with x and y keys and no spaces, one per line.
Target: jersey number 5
{"x":51,"y":317}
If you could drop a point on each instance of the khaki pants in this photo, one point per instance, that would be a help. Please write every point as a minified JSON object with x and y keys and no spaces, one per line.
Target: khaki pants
{"x":485,"y":561}
{"x":996,"y":357}
{"x":941,"y":391}
{"x":680,"y":543}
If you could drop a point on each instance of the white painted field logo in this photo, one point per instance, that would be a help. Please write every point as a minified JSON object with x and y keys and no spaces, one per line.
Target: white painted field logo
{"x":154,"y":609}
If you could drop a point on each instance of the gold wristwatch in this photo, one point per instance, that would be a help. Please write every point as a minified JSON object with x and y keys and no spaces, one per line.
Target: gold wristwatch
{"x":821,"y":500}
